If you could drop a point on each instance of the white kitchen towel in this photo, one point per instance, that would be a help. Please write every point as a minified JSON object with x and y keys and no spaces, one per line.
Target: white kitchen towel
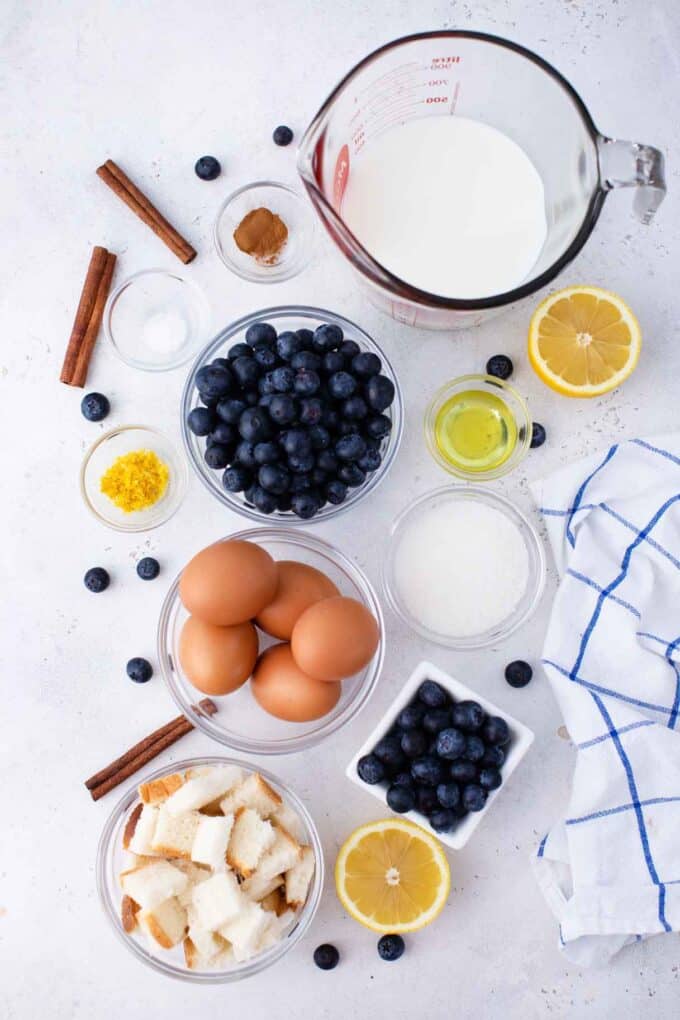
{"x":610,"y":869}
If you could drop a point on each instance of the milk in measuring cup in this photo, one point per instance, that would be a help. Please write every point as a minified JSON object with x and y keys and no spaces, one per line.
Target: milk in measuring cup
{"x":448,"y":204}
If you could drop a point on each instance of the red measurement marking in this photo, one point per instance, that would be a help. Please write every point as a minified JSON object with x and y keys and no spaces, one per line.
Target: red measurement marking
{"x":340,"y":177}
{"x":439,"y":62}
{"x":437,"y":99}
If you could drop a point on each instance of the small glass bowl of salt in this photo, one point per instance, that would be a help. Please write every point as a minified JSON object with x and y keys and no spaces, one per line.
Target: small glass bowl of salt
{"x":156,"y":320}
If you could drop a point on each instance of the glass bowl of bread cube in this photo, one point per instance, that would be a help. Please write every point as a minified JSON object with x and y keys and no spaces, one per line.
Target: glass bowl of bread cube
{"x":209,"y":870}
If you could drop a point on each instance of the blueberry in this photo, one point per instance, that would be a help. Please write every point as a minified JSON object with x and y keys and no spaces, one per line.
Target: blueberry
{"x":263,"y":500}
{"x":428,"y":770}
{"x":301,"y":463}
{"x":538,"y":435}
{"x":97,"y":579}
{"x":327,"y":337}
{"x":288,"y":344}
{"x":296,"y":441}
{"x":354,"y":409}
{"x":261,"y":334}
{"x":432,"y":694}
{"x":301,"y":482}
{"x":436,"y":719}
{"x":366,"y":364}
{"x":474,"y":748}
{"x":284,"y":502}
{"x":201,"y":421}
{"x":148,"y":568}
{"x":214,"y":381}
{"x":404,"y":779}
{"x":390,"y":947}
{"x":266,"y":453}
{"x":221,"y":363}
{"x":239,"y":351}
{"x":306,"y":360}
{"x":341,"y":385}
{"x":346,"y":428}
{"x":500,"y":366}
{"x":443,"y":820}
{"x":274,"y":478}
{"x":463,"y":771}
{"x":319,"y":478}
{"x":236,"y":478}
{"x":225,"y":434}
{"x":139,"y":670}
{"x":251,"y":397}
{"x":207,"y":400}
{"x":254,"y":425}
{"x":400,"y":798}
{"x":448,"y":795}
{"x":320,"y":438}
{"x":371,"y":769}
{"x":306,"y":504}
{"x":426,"y":799}
{"x":333,"y":361}
{"x":335,"y":492}
{"x":493,"y":756}
{"x":331,"y":418}
{"x":230,"y":409}
{"x":379,"y":392}
{"x":450,"y":743}
{"x":349,"y":349}
{"x":495,"y":730}
{"x":283,"y":379}
{"x":468,"y":716}
{"x":283,"y":135}
{"x":265,"y":358}
{"x":414,"y":743}
{"x":218,"y":456}
{"x":326,"y":957}
{"x":389,"y":751}
{"x":282,"y":409}
{"x":351,"y":447}
{"x":352,"y":475}
{"x":311,"y":411}
{"x":306,"y":338}
{"x":370,"y":461}
{"x":245,"y":454}
{"x":474,"y":797}
{"x":95,"y":406}
{"x":207,"y":168}
{"x":518,"y":673}
{"x":326,"y":459}
{"x":411,"y":716}
{"x":490,"y":778}
{"x":377,"y":426}
{"x":247,"y":372}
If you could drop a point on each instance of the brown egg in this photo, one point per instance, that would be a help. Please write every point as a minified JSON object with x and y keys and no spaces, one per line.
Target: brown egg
{"x":300,"y":586}
{"x":228,"y":583}
{"x":283,"y":690}
{"x":335,"y":638}
{"x":217,"y":660}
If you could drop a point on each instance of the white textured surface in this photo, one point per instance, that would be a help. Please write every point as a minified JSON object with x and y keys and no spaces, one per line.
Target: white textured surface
{"x":155,"y":85}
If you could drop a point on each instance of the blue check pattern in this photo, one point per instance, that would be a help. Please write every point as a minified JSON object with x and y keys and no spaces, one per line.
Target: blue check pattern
{"x":612,"y":654}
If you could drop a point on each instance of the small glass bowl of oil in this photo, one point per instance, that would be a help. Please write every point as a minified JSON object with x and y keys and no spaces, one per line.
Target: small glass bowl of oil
{"x":478,"y":427}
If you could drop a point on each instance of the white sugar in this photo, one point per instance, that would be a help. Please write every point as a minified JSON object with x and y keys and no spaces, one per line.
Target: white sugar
{"x":461,"y":568}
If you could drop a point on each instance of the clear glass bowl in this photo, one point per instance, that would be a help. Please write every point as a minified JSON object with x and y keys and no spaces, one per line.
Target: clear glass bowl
{"x":156,"y":320}
{"x":499,"y":388}
{"x":531,"y":596}
{"x":295,"y":213}
{"x":112,"y":859}
{"x":240,"y":723}
{"x":282,"y":318}
{"x":101,"y":456}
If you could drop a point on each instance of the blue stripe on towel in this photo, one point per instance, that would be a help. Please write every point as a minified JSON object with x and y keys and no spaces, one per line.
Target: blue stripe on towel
{"x":605,"y":812}
{"x":656,"y":449}
{"x":597,"y":688}
{"x":541,"y":847}
{"x":676,"y":703}
{"x":593,"y":584}
{"x":608,"y":736}
{"x":584,"y":485}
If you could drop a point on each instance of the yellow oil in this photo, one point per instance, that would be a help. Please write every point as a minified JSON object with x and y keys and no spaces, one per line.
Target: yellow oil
{"x":475,"y":430}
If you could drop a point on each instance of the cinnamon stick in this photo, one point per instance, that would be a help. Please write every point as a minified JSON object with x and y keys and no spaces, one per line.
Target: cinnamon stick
{"x":88,"y":298}
{"x":87,"y":346}
{"x":142,"y":207}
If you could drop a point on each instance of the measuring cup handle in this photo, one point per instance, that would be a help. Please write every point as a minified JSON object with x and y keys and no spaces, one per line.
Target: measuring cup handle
{"x":633,"y":165}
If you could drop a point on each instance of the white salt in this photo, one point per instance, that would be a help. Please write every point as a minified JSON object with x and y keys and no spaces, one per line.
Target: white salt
{"x":165,"y":332}
{"x":461,"y":568}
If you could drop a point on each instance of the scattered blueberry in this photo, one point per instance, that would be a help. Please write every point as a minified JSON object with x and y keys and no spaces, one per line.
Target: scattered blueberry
{"x":97,"y":579}
{"x":474,"y":797}
{"x":538,"y":435}
{"x":495,"y":730}
{"x":370,"y":769}
{"x":489,"y":778}
{"x":326,"y":957}
{"x":148,"y":568}
{"x":390,"y":947}
{"x":500,"y":366}
{"x":139,"y":670}
{"x":451,"y":744}
{"x":518,"y":673}
{"x":432,"y":694}
{"x":400,"y":798}
{"x":201,"y":421}
{"x":207,"y":168}
{"x":283,"y":135}
{"x":95,"y":406}
{"x":468,"y":716}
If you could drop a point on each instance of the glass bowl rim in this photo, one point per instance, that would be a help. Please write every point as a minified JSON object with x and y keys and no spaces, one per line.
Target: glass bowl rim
{"x":301,"y":742}
{"x":524,"y":428}
{"x":230,"y":331}
{"x":198,"y":297}
{"x":537,"y":578}
{"x":258,"y":963}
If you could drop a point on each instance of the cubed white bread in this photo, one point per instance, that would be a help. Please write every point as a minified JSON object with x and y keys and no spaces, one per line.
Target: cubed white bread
{"x":174,"y":834}
{"x":281,"y":856}
{"x":131,"y":824}
{"x":224,"y":960}
{"x":257,"y":887}
{"x":211,"y":841}
{"x":298,"y":878}
{"x":198,"y":770}
{"x":246,"y":930}
{"x":195,"y":873}
{"x":195,"y":960}
{"x":251,"y":837}
{"x":142,"y":838}
{"x":274,"y":901}
{"x":166,"y":923}
{"x":128,"y":913}
{"x":217,"y":901}
{"x":158,"y":790}
{"x":204,"y":789}
{"x":254,"y":792}
{"x":207,"y":943}
{"x":276,"y":929}
{"x":153,"y":883}
{"x":290,"y":821}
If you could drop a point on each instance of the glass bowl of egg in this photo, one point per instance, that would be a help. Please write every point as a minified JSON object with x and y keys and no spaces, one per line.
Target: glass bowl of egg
{"x":152,"y":896}
{"x":280,"y":630}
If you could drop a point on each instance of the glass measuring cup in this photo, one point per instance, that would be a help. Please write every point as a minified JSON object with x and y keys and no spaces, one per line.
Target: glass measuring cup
{"x":489,"y":79}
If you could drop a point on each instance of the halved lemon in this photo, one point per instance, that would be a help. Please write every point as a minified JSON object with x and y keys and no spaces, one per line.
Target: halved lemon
{"x":392,"y":876}
{"x":584,"y":341}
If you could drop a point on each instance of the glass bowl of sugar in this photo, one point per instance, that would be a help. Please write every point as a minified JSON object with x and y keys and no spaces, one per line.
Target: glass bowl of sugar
{"x":156,"y":320}
{"x":464,"y":567}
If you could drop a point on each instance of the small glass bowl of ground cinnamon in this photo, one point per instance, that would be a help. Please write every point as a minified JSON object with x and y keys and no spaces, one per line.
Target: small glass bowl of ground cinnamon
{"x":265,"y":232}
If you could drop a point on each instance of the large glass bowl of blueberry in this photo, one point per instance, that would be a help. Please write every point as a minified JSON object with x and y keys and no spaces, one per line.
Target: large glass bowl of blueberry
{"x":440,"y":755}
{"x":292,"y":413}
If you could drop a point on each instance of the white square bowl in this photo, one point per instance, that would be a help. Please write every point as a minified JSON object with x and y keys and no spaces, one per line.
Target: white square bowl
{"x":521,"y":739}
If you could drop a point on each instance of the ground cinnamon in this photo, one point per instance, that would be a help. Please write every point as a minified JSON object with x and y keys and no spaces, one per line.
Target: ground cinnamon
{"x":262,"y":234}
